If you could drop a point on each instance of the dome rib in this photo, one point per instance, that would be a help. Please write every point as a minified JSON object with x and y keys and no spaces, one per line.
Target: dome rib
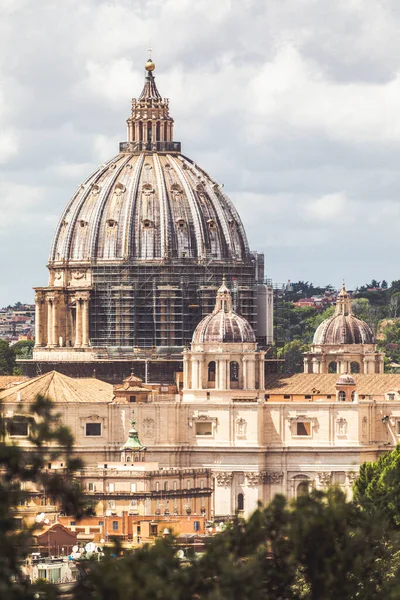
{"x":197,"y":209}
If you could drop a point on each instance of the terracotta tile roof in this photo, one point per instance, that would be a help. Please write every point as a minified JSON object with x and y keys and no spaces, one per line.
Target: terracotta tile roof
{"x":59,"y":388}
{"x":305,"y":383}
{"x":10,"y":380}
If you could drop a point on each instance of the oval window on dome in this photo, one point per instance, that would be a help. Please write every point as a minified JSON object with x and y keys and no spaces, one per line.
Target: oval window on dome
{"x":181,"y":223}
{"x":83,"y":223}
{"x":176,"y":188}
{"x":147,"y":224}
{"x":119,"y":188}
{"x":211,"y":224}
{"x":147,"y":166}
{"x":111,"y":222}
{"x":147,"y":187}
{"x":95,"y":189}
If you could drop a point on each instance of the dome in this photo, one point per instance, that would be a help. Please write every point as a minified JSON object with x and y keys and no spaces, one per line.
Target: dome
{"x":149,"y":202}
{"x":343,"y":327}
{"x":149,"y":206}
{"x":223,"y":325}
{"x":345,"y":379}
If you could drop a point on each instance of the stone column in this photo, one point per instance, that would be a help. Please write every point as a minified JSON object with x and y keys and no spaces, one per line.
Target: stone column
{"x":185,"y":371}
{"x":85,"y":321}
{"x":251,"y":380}
{"x":222,"y":374}
{"x":262,"y":372}
{"x":49,"y":300}
{"x":244,"y":372}
{"x":54,"y":321}
{"x":78,"y":323}
{"x":38,"y":319}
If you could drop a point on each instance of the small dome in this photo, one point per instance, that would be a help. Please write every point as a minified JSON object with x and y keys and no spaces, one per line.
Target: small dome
{"x":343,"y":327}
{"x":346,"y":379}
{"x":223,"y":325}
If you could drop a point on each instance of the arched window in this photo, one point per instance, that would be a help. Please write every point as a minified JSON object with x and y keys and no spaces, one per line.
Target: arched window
{"x":353,"y":396}
{"x":158,"y":131}
{"x":342,"y":396}
{"x":149,"y":130}
{"x":354,"y":367}
{"x":332,"y":367}
{"x":141,"y":131}
{"x":240,"y":502}
{"x":303,"y":489}
{"x":211,"y":371}
{"x":166,"y":487}
{"x":234,"y":371}
{"x":165,"y":131}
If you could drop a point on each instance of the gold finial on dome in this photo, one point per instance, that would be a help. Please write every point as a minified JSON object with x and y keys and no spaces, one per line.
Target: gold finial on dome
{"x":149,"y":66}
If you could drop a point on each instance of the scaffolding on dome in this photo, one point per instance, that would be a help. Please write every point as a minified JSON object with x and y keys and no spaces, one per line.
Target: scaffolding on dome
{"x":159,"y":304}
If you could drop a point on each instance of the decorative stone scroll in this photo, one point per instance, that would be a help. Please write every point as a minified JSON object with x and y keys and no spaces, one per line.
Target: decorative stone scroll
{"x":224,"y":478}
{"x":202,"y":418}
{"x":351,"y":476}
{"x":341,"y":427}
{"x":95,"y":419}
{"x":254,"y":478}
{"x":241,"y":427}
{"x":324,"y":478}
{"x":148,"y":427}
{"x":274,"y":477}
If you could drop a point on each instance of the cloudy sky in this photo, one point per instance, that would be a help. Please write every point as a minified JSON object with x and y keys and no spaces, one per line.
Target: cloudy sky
{"x":294,"y":105}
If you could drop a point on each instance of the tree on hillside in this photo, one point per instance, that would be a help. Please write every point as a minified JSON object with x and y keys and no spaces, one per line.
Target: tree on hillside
{"x":293,"y":354}
{"x":7,"y":358}
{"x":49,"y":441}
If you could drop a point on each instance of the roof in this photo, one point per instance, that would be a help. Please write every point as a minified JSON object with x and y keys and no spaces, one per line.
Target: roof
{"x":59,"y":388}
{"x":7,"y":381}
{"x":308,"y":383}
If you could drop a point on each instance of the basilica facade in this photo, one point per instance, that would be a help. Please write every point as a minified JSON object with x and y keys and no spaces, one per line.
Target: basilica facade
{"x":244,"y":434}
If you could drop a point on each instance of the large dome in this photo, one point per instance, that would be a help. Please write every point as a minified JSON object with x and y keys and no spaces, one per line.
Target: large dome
{"x":141,"y":248}
{"x":223,"y":325}
{"x":343,"y":327}
{"x":149,"y":206}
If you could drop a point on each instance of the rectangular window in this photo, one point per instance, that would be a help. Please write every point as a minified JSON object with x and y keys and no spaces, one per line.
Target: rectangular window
{"x":133,"y":487}
{"x":307,"y":397}
{"x":101,"y":523}
{"x":111,"y":504}
{"x":157,"y":486}
{"x":287,"y":396}
{"x":91,"y":487}
{"x":391,"y":397}
{"x":398,"y":427}
{"x":72,"y":523}
{"x":204,"y":428}
{"x":153,"y":529}
{"x":18,"y":428}
{"x":303,"y":428}
{"x":93,"y":428}
{"x":196,"y":525}
{"x":115,"y":525}
{"x":175,"y":485}
{"x":201,"y":483}
{"x":132,"y":398}
{"x":111,"y":487}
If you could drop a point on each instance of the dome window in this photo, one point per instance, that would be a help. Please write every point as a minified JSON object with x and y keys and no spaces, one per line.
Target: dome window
{"x":119,"y":188}
{"x":82,"y":223}
{"x":95,"y":189}
{"x":176,"y":188}
{"x":168,"y":167}
{"x":113,"y":166}
{"x":211,"y":224}
{"x":147,"y":224}
{"x":147,"y":166}
{"x":147,"y":188}
{"x":111,"y":222}
{"x":199,"y":187}
{"x":232,"y":224}
{"x":181,"y":224}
